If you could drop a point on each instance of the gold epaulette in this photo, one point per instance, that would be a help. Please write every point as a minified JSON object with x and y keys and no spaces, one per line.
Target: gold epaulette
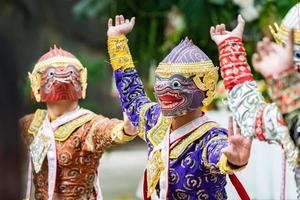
{"x":64,"y":131}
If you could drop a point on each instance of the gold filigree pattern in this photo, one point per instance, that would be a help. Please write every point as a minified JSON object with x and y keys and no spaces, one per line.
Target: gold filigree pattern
{"x":179,"y":148}
{"x":142,"y":116}
{"x":158,"y":132}
{"x":119,"y":53}
{"x":155,"y":166}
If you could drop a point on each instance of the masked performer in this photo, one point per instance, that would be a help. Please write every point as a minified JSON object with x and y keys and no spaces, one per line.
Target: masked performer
{"x":255,"y":117}
{"x":279,"y":64}
{"x":189,"y":154}
{"x":66,"y":141}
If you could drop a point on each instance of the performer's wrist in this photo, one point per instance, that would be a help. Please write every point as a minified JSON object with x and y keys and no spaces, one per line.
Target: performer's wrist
{"x":235,"y":166}
{"x":233,"y":61}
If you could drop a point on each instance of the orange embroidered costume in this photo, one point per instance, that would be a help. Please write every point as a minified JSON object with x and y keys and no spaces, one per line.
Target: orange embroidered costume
{"x":65,"y":152}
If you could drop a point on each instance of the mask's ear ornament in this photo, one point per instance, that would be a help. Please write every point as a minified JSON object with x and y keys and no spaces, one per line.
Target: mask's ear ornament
{"x":290,"y":21}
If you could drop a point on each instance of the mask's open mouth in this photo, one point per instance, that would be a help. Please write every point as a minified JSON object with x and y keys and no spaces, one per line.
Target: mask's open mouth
{"x":170,"y":100}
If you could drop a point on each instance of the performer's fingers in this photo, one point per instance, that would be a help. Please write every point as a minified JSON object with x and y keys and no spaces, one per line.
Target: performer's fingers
{"x":132,"y":21}
{"x":255,"y":60}
{"x":267,"y":45}
{"x":212,"y":31}
{"x":117,"y":20}
{"x":222,"y":29}
{"x":218,"y":29}
{"x":230,"y":126}
{"x":122,"y":20}
{"x":109,"y":23}
{"x":241,"y":24}
{"x":127,"y":21}
{"x":260,"y":49}
{"x":237,"y":129}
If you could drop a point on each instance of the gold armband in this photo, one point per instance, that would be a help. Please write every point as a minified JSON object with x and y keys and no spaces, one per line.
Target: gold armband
{"x":225,"y":167}
{"x":118,"y":134}
{"x":119,"y":53}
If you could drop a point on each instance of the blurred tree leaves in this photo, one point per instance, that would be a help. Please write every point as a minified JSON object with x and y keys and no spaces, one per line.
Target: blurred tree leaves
{"x":150,"y":41}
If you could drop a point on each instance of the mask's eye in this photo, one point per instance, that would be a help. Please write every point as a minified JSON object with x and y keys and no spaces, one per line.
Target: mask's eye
{"x":51,"y":73}
{"x":71,"y":71}
{"x":297,"y":54}
{"x":176,"y":84}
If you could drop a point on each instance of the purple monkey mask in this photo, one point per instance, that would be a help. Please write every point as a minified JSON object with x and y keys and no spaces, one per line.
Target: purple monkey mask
{"x":185,"y":80}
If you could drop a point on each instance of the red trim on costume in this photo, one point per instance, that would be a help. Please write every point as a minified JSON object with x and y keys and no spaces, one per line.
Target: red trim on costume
{"x":145,"y":187}
{"x":239,"y":187}
{"x":259,"y":127}
{"x":233,"y":61}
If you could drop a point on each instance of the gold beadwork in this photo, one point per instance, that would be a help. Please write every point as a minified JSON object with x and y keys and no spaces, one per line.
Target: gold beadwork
{"x":206,"y":75}
{"x":119,"y":53}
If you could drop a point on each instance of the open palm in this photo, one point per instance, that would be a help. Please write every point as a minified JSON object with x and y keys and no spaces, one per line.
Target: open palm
{"x":239,"y":146}
{"x":219,"y":32}
{"x":122,"y":26}
{"x":272,"y":59}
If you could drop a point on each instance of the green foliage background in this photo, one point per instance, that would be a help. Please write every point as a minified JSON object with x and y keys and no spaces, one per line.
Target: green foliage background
{"x":147,"y":41}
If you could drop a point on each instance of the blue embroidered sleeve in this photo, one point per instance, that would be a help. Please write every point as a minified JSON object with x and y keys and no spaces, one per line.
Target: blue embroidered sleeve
{"x":134,"y":99}
{"x":215,"y":140}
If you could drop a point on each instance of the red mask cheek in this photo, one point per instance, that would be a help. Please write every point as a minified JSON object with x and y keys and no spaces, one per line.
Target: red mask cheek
{"x":60,"y":91}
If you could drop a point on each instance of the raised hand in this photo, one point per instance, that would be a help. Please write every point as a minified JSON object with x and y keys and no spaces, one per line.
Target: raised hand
{"x":129,"y":129}
{"x":122,"y":26}
{"x":219,"y":32}
{"x":239,"y":147}
{"x":272,"y":59}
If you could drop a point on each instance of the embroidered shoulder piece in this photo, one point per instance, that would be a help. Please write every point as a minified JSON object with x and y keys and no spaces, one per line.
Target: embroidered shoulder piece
{"x":156,"y":134}
{"x":198,"y":133}
{"x":63,"y":132}
{"x":37,"y":121}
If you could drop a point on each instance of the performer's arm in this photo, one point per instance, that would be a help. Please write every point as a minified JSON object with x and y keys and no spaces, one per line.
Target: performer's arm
{"x":135,"y":103}
{"x":226,"y":153}
{"x":24,"y":124}
{"x":254,"y":116}
{"x":104,"y":132}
